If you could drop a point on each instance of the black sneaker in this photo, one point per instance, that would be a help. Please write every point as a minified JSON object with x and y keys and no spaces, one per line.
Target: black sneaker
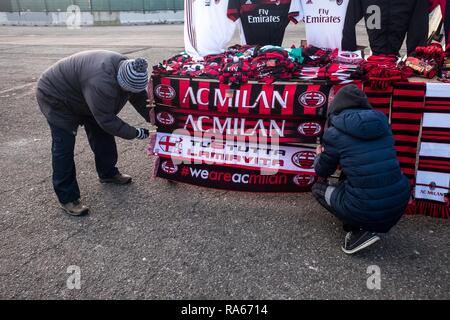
{"x":358,"y":240}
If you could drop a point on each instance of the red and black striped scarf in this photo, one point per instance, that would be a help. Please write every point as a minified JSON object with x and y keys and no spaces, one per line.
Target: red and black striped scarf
{"x":406,"y":116}
{"x":380,"y":99}
{"x":433,"y":174}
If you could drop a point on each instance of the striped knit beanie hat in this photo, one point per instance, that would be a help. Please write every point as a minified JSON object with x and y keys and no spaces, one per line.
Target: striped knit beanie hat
{"x":133,"y":75}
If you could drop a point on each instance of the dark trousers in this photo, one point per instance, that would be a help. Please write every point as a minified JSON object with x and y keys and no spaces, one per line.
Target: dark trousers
{"x":64,"y":173}
{"x":319,"y":191}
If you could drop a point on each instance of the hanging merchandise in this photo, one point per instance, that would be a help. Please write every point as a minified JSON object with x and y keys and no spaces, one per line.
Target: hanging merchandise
{"x":235,"y":179}
{"x":264,"y":21}
{"x":237,"y":154}
{"x":433,"y":174}
{"x":253,"y":128}
{"x":388,"y":23}
{"x":207,"y":29}
{"x":407,"y":109}
{"x":285,"y":99}
{"x":324,"y":21}
{"x":380,"y":99}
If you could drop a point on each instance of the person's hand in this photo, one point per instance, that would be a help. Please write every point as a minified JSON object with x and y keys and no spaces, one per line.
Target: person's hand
{"x":142,"y":133}
{"x":319,"y":149}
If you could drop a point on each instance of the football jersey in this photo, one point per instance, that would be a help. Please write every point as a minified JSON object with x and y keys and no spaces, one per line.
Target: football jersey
{"x":264,"y":21}
{"x":207,"y":29}
{"x":324,"y":22}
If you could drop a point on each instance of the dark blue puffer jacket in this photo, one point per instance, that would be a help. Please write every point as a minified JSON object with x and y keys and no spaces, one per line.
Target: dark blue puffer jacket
{"x":375,"y":192}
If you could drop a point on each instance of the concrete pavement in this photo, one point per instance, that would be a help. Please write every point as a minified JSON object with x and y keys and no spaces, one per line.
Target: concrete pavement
{"x":156,"y":240}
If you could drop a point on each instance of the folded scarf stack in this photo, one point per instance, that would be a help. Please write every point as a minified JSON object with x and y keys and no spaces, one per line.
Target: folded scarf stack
{"x":267,"y":64}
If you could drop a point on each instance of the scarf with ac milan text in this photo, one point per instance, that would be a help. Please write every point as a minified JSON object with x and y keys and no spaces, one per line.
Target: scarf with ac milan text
{"x":235,"y":179}
{"x":433,"y":175}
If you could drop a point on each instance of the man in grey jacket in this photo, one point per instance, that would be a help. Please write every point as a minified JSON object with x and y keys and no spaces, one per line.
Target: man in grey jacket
{"x":89,"y":89}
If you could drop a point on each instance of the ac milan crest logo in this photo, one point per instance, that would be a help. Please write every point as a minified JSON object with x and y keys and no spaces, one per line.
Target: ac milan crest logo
{"x":169,"y":144}
{"x":313,"y":99}
{"x":169,"y":167}
{"x":303,"y":181}
{"x":165,"y":118}
{"x":164,"y":91}
{"x":310,"y":129}
{"x":350,"y":55}
{"x":304,"y":159}
{"x":339,"y":2}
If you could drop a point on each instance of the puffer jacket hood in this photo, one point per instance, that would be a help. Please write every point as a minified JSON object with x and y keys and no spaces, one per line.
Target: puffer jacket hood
{"x":363,"y":124}
{"x":349,"y":97}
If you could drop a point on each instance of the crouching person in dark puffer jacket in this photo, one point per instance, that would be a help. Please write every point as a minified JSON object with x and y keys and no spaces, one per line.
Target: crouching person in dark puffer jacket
{"x":372,"y":193}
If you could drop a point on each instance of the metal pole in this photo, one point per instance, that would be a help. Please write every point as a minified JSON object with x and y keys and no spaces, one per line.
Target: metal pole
{"x":143,"y":6}
{"x":109,"y":5}
{"x":46,"y":6}
{"x":19,"y":6}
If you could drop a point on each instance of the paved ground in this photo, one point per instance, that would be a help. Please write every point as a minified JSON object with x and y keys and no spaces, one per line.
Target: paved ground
{"x":160,"y":241}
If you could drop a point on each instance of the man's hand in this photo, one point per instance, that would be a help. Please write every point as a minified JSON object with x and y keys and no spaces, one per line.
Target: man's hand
{"x":319,"y":149}
{"x":142,"y":133}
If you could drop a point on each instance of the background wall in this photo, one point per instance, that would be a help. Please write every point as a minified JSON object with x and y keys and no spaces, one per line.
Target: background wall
{"x":91,"y":12}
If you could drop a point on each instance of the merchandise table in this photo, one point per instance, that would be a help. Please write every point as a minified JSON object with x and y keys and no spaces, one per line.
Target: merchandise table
{"x":261,"y":137}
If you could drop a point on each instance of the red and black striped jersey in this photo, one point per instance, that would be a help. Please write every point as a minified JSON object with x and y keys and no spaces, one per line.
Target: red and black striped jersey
{"x":264,"y":21}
